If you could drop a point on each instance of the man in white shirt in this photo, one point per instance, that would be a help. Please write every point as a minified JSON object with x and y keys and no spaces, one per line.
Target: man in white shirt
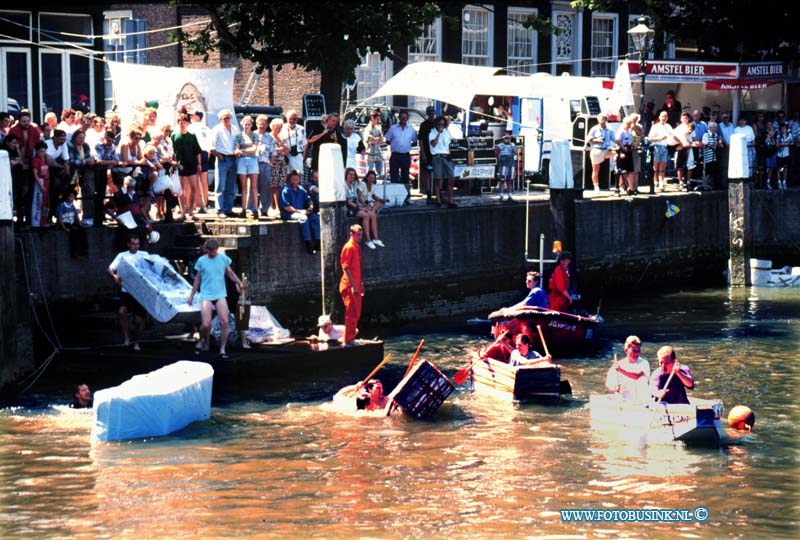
{"x":660,"y":136}
{"x":442,"y":165}
{"x":203,"y":133}
{"x":58,"y":161}
{"x":750,"y":138}
{"x":223,"y":147}
{"x":294,"y":137}
{"x":725,"y":128}
{"x":630,"y":376}
{"x":126,"y":301}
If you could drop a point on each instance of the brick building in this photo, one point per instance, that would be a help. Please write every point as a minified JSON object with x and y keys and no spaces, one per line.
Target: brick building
{"x":52,"y":56}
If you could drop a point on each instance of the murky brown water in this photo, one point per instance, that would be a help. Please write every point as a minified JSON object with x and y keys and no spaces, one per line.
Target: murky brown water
{"x":478,"y":470}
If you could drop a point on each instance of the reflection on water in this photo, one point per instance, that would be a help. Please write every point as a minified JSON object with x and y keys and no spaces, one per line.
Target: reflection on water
{"x":479,"y":469}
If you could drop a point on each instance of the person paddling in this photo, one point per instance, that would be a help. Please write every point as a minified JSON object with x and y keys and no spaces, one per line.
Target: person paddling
{"x":629,"y":377}
{"x":670,"y":381}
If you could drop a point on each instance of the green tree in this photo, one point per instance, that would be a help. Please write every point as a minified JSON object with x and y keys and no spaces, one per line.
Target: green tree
{"x":324,"y":36}
{"x":732,"y":30}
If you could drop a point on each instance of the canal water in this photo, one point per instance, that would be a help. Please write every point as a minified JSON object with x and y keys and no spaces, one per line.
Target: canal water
{"x":292,"y":468}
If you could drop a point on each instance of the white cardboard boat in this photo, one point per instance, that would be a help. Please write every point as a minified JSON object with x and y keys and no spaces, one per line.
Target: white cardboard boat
{"x":154,"y":404}
{"x":763,"y":275}
{"x":160,"y":290}
{"x":698,"y":422}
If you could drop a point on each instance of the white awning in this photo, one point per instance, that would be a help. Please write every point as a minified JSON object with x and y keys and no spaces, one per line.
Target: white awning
{"x":451,"y":83}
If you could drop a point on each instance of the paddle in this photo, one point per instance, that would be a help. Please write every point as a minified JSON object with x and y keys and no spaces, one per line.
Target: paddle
{"x":374,"y":371}
{"x":541,"y":336}
{"x":669,"y":380}
{"x":462,"y":374}
{"x":414,"y":359}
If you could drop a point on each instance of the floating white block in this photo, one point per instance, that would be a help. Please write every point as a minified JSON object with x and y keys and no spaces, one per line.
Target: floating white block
{"x":154,"y":404}
{"x":161,"y":290}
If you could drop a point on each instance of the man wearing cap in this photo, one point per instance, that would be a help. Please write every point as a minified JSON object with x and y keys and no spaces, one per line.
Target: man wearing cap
{"x":401,"y":137}
{"x":223,"y":147}
{"x":351,"y":287}
{"x":329,"y":331}
{"x":425,"y":158}
{"x":537,"y":297}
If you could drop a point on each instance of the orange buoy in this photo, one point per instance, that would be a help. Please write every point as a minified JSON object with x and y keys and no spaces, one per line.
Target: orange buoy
{"x":742,"y":417}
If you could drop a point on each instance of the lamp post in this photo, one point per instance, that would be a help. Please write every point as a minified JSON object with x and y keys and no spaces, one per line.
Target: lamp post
{"x":642,"y":38}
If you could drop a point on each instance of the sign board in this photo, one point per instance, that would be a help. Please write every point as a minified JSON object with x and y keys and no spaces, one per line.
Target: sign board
{"x":769,"y":70}
{"x":739,"y":84}
{"x":687,"y":70}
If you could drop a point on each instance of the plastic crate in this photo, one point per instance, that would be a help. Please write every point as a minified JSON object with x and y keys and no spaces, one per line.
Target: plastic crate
{"x":424,"y":390}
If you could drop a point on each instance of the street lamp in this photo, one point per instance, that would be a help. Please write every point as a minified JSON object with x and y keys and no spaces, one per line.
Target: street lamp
{"x":642,"y":38}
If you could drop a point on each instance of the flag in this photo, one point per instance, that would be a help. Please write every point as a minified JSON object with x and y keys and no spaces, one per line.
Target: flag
{"x":622,"y":92}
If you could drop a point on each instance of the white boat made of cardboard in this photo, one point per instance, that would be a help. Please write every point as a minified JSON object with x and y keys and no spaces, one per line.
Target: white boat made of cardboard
{"x":698,"y":422}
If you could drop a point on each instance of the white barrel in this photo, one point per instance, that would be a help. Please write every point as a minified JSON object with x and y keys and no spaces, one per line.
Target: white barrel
{"x":738,"y":163}
{"x":561,"y":166}
{"x":331,"y":174}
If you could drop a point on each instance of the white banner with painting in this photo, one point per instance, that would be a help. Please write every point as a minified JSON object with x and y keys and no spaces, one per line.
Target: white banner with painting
{"x":167,"y":89}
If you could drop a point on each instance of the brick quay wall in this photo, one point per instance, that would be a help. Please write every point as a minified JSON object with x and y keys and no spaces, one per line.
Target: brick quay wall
{"x":441,"y":263}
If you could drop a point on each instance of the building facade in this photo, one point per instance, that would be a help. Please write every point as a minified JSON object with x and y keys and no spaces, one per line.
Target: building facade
{"x":54,"y":56}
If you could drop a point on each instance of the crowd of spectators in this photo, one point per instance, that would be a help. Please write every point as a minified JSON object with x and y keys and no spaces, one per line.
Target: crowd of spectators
{"x":78,"y":170}
{"x":698,"y":144}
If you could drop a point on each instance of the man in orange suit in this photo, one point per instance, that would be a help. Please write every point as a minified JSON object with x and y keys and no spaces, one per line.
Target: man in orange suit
{"x":351,"y":287}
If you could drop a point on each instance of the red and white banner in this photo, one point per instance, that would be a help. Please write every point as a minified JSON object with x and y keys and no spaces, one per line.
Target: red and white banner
{"x":687,"y":70}
{"x":739,"y":84}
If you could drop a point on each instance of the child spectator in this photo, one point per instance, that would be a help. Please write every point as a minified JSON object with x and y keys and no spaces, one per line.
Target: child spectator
{"x":505,"y":163}
{"x":40,"y":204}
{"x":67,"y":220}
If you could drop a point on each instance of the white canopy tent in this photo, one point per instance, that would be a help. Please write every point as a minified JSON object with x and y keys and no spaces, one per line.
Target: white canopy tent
{"x":450,"y":83}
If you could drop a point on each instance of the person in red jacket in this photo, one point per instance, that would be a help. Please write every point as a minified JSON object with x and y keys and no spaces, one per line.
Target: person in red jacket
{"x":351,"y":287}
{"x":560,"y":298}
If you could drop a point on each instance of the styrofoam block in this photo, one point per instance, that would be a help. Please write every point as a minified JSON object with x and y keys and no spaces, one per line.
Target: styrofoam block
{"x":160,"y":290}
{"x":154,"y":404}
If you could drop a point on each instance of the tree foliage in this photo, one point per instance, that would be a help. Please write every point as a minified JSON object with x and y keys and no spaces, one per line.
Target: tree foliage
{"x":731,"y":30}
{"x":324,"y":36}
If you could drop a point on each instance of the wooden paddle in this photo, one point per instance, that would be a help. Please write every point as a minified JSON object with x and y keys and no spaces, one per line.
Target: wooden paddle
{"x":541,"y":336}
{"x":669,"y":380}
{"x":414,"y":359}
{"x":374,"y":371}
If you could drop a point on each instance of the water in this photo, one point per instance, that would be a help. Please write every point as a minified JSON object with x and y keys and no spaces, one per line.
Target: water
{"x":480,"y":469}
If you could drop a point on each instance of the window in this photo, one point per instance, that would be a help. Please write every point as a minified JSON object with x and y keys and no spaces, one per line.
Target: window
{"x":65,"y":80}
{"x":522,"y":43}
{"x":16,"y":25}
{"x":428,"y":48}
{"x":123,"y":42}
{"x":65,"y":28}
{"x":566,"y":45}
{"x":604,"y":44}
{"x":15,"y":83}
{"x":371,"y":75}
{"x":476,"y":36}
